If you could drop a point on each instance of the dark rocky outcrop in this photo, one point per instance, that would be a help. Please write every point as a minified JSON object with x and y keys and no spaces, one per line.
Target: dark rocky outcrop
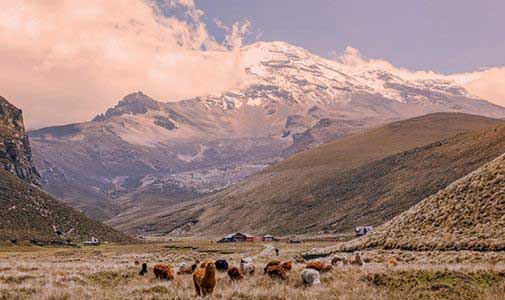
{"x":15,"y":152}
{"x":135,"y":103}
{"x":164,"y":122}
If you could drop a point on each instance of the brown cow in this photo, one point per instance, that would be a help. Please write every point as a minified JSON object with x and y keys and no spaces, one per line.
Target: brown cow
{"x":277,"y":272}
{"x":319,"y":266}
{"x":163,"y":272}
{"x":235,"y":273}
{"x":287,"y":265}
{"x":271,"y":263}
{"x":204,"y":279}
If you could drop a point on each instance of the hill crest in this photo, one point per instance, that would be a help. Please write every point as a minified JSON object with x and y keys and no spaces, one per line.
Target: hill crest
{"x":466,"y":215}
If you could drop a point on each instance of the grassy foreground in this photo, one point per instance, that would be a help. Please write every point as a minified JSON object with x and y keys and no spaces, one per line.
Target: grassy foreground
{"x":109,"y":272}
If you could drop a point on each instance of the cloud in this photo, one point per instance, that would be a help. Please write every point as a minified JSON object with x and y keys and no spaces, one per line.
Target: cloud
{"x":486,"y":83}
{"x":67,"y":60}
{"x":187,"y":3}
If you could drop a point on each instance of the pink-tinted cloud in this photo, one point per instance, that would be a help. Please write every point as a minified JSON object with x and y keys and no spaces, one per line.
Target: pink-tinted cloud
{"x":486,"y":84}
{"x":66,"y":60}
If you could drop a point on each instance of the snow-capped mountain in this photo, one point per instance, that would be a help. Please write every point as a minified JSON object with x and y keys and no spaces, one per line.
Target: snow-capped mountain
{"x":307,"y":76}
{"x":146,"y":152}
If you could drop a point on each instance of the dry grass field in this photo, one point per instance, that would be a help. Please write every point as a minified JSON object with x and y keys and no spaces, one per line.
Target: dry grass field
{"x":109,"y":272}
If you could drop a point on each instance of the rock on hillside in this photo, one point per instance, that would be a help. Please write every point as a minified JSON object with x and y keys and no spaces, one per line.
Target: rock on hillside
{"x":15,"y":153}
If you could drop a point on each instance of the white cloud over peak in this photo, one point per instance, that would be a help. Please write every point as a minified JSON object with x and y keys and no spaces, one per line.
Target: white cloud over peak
{"x":487,"y":83}
{"x":65,"y":60}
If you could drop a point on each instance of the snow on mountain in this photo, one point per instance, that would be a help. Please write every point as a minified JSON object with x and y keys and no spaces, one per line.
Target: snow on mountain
{"x":298,"y":70}
{"x":293,"y":100}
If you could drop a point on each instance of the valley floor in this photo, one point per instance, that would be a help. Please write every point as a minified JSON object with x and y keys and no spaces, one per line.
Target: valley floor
{"x":109,"y":272}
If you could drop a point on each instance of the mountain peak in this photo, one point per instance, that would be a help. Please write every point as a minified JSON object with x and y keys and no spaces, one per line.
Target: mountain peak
{"x":137,"y":97}
{"x":10,"y":115}
{"x":268,"y":51}
{"x":135,"y":103}
{"x":274,"y":45}
{"x":295,"y":69}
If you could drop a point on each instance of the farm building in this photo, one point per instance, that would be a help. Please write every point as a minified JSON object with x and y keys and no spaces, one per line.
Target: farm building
{"x":237,"y":238}
{"x":257,"y":238}
{"x":268,"y":238}
{"x":360,"y":231}
{"x":227,"y":239}
{"x":92,"y":242}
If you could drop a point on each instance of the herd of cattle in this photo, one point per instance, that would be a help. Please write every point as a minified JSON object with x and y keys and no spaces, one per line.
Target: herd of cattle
{"x":204,"y":274}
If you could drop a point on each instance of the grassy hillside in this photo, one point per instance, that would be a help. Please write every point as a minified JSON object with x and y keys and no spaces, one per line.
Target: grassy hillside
{"x":28,"y":213}
{"x":338,"y":185}
{"x":467,"y":215}
{"x":378,"y":191}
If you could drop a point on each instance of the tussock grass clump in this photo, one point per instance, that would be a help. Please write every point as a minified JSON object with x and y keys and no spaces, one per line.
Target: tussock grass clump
{"x":111,"y":278}
{"x":15,"y":279}
{"x":159,"y":289}
{"x":445,"y":284}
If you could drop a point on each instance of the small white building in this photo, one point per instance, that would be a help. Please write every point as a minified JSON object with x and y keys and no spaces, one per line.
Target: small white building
{"x":361,"y":231}
{"x":268,"y":238}
{"x":92,"y":242}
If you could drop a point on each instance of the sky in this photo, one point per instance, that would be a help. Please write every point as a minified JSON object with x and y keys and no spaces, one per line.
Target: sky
{"x":447,"y":36}
{"x":64,"y":61}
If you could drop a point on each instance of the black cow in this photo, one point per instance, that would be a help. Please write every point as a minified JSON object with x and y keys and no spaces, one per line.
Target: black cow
{"x":221,"y":265}
{"x":143,"y":271}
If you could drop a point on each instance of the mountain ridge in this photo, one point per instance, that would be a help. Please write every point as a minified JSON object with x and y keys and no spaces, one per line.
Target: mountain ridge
{"x":294,"y":101}
{"x":332,"y":187}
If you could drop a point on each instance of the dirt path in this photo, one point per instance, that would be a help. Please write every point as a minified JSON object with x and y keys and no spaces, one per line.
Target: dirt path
{"x":268,"y":251}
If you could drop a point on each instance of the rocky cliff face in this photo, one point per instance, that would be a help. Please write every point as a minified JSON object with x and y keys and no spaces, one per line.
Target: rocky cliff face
{"x":15,"y":152}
